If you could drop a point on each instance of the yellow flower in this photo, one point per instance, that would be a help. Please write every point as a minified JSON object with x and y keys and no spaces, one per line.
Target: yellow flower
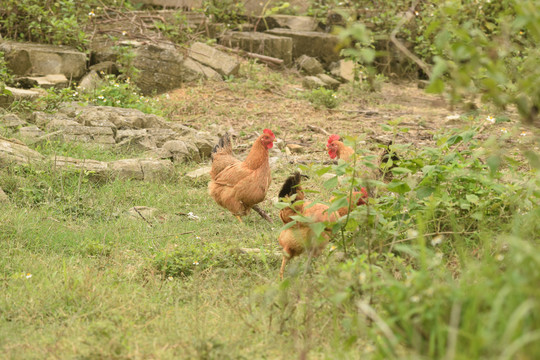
{"x":124,"y":33}
{"x":195,"y":263}
{"x":503,"y":130}
{"x":28,"y":275}
{"x":170,"y":278}
{"x":491,"y":119}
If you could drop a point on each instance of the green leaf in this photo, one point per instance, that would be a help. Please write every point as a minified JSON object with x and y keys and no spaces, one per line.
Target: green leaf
{"x":472,"y":198}
{"x":331,"y":183}
{"x":338,"y":204}
{"x":317,"y":228}
{"x":435,"y":87}
{"x":323,"y":170}
{"x":398,"y":186}
{"x":401,"y":170}
{"x":424,"y":191}
{"x":386,"y":127}
{"x":287,"y":226}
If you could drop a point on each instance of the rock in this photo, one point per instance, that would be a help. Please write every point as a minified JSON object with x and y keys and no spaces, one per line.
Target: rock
{"x":205,"y":143}
{"x":31,"y":133}
{"x":159,"y":153}
{"x":312,"y":82}
{"x":202,"y":172}
{"x":224,"y":64}
{"x":105,"y":67}
{"x":297,"y":23}
{"x":3,"y":197}
{"x":182,"y":150}
{"x":330,"y":82}
{"x":97,"y":169}
{"x":161,"y":136}
{"x":57,"y":81}
{"x":14,"y":152}
{"x":139,"y":139}
{"x":178,"y":149}
{"x":11,"y":121}
{"x":343,"y":70}
{"x":140,"y":169}
{"x":40,"y":59}
{"x":19,"y":95}
{"x":295,"y":148}
{"x":260,"y":43}
{"x":161,"y":68}
{"x":315,"y":44}
{"x":90,"y":82}
{"x":155,"y":169}
{"x":202,"y":71}
{"x":309,"y":65}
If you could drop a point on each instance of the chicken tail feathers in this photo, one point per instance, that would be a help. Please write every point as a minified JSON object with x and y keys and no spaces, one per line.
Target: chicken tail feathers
{"x":291,"y":186}
{"x":224,"y":145}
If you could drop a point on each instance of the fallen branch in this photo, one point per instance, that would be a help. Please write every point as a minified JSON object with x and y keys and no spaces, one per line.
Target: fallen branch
{"x":263,"y":58}
{"x":405,"y":19}
{"x":261,"y":212}
{"x":318,"y":129}
{"x":141,"y":215}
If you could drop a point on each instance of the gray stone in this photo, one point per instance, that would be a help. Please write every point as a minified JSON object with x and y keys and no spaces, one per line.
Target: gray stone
{"x":343,"y":70}
{"x":161,"y":68}
{"x":98,"y":169}
{"x":205,"y":142}
{"x":312,"y":82}
{"x":90,"y":82}
{"x":40,"y":59}
{"x":156,"y":169}
{"x":19,"y":95}
{"x":309,"y":65}
{"x":200,"y":71}
{"x":207,"y":55}
{"x":31,"y":133}
{"x":329,"y":81}
{"x":139,"y":139}
{"x":315,"y":44}
{"x":260,"y":43}
{"x":57,"y":81}
{"x":11,"y":121}
{"x":15,"y":152}
{"x":161,"y":136}
{"x":295,"y":148}
{"x":199,"y":173}
{"x":178,"y":149}
{"x":159,"y":153}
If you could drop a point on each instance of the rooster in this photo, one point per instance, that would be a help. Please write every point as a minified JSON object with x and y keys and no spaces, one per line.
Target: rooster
{"x":239,"y":185}
{"x":337,"y":149}
{"x":299,"y":237}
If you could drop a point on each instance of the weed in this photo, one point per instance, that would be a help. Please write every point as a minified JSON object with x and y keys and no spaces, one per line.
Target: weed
{"x":323,"y":97}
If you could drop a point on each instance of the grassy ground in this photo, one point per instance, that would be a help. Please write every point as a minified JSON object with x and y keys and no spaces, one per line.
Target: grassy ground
{"x":81,"y":278}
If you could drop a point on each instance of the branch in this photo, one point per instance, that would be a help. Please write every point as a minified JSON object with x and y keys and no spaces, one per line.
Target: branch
{"x":405,"y":19}
{"x":261,"y":212}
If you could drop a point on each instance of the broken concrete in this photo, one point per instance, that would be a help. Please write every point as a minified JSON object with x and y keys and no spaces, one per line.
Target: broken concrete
{"x":309,"y":65}
{"x":343,"y":70}
{"x":224,"y":64}
{"x":260,"y":43}
{"x":15,"y":152}
{"x":40,"y":59}
{"x":315,"y":44}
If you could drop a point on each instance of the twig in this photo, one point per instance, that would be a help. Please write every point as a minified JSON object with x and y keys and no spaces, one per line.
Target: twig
{"x":141,"y":215}
{"x":408,"y":16}
{"x":318,"y":129}
{"x":261,"y":212}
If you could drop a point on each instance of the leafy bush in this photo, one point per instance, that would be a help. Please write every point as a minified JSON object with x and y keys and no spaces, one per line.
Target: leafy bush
{"x":61,"y":22}
{"x":323,"y":97}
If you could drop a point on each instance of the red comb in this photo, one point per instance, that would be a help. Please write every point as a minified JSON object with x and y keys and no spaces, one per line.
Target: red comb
{"x":333,"y":138}
{"x":269,"y":132}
